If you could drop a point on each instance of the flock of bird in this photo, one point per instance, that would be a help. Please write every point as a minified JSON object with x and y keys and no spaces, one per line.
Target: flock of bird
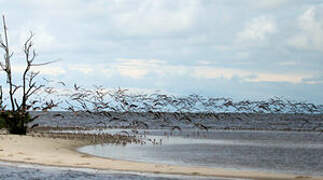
{"x":117,"y":105}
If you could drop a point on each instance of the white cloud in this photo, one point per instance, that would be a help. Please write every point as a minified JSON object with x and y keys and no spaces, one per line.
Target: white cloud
{"x":222,"y":47}
{"x":47,"y":70}
{"x":245,"y":40}
{"x":50,"y":70}
{"x":271,"y":77}
{"x":93,"y":69}
{"x":43,"y":40}
{"x":141,"y":68}
{"x":269,"y":3}
{"x":258,"y":29}
{"x":243,"y":55}
{"x":205,"y":72}
{"x":317,"y":79}
{"x":314,"y":82}
{"x":299,"y":41}
{"x":147,"y":17}
{"x":288,"y":63}
{"x":138,"y":68}
{"x":311,"y":35}
{"x":86,"y":69}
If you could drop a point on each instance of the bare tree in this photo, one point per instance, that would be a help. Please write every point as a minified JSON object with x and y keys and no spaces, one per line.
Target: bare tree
{"x":17,"y":118}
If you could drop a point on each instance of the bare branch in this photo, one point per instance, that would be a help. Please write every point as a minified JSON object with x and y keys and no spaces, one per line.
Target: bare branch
{"x":16,"y":103}
{"x":45,"y":63}
{"x":16,"y":88}
{"x":31,"y":92}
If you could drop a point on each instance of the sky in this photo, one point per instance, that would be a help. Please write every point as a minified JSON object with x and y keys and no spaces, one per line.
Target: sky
{"x":246,"y":49}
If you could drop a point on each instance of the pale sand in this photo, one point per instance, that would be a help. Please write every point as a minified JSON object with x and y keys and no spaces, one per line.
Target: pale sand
{"x":59,"y":152}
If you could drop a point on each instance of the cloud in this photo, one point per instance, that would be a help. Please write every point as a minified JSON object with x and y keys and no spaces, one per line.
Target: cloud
{"x":43,"y":40}
{"x":85,"y":69}
{"x":314,"y":80}
{"x":269,"y":3}
{"x":148,"y":18}
{"x":271,"y":77}
{"x":206,"y":72}
{"x":44,"y":70}
{"x":132,"y":72}
{"x":258,"y":29}
{"x":193,"y":45}
{"x":141,"y":68}
{"x":310,"y":36}
{"x":299,"y":41}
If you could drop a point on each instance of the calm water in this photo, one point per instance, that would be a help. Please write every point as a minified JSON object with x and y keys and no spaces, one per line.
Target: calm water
{"x":273,"y":151}
{"x":256,"y":121}
{"x":14,"y":171}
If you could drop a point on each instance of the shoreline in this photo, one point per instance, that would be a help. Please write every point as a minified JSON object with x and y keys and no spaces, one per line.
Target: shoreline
{"x":63,"y":153}
{"x":77,"y":128}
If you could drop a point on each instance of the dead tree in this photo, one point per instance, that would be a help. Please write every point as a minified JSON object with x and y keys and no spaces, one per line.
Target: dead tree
{"x":17,"y":117}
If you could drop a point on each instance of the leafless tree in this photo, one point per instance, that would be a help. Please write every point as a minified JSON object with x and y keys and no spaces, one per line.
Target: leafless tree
{"x":29,"y":86}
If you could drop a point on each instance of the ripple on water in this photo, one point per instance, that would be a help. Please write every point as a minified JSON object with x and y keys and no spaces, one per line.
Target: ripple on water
{"x":10,"y":171}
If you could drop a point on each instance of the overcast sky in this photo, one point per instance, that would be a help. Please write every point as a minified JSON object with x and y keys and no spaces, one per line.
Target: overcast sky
{"x":246,"y":49}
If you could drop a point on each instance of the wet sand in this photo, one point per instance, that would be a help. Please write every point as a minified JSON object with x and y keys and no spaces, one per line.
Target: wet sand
{"x":62,"y":153}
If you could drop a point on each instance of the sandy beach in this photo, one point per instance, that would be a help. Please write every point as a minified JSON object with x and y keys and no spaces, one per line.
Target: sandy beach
{"x":63,"y":153}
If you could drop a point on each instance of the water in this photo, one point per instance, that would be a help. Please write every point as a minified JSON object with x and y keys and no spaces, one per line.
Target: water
{"x":253,"y":121}
{"x":15,"y":171}
{"x":271,"y":151}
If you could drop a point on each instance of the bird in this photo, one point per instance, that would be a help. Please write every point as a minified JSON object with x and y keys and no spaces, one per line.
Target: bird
{"x":34,"y":125}
{"x":201,"y":126}
{"x":62,"y":83}
{"x":76,"y":87}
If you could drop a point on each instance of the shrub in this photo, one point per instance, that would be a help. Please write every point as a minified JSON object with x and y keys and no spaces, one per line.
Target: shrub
{"x":2,"y":121}
{"x":15,"y":121}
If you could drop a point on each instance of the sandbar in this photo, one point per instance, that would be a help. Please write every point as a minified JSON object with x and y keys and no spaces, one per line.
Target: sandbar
{"x":63,"y":153}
